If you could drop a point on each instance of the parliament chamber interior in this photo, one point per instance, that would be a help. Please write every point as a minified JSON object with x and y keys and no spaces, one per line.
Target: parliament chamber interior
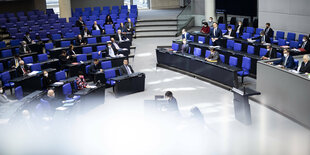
{"x":157,"y":77}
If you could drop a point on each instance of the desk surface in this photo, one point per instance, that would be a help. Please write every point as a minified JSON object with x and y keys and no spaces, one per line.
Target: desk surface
{"x":122,"y":77}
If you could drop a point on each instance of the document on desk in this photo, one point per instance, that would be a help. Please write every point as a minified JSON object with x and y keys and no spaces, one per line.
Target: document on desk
{"x":33,"y":73}
{"x":251,"y":41}
{"x":228,"y":37}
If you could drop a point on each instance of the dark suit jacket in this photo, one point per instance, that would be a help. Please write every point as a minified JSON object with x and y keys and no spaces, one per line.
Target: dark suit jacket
{"x":82,"y":33}
{"x":124,"y":70}
{"x":117,"y":38}
{"x":270,"y":33}
{"x":94,"y":28}
{"x":218,"y":33}
{"x":21,"y":50}
{"x":20,"y":72}
{"x":289,"y":63}
{"x":70,"y":52}
{"x":94,"y":68}
{"x":271,"y":54}
{"x":127,"y":26}
{"x":307,"y":46}
{"x":27,"y":40}
{"x":46,"y":82}
{"x":123,"y":29}
{"x":63,"y":61}
{"x":232,"y":34}
{"x":305,"y":68}
{"x":267,"y":39}
{"x":240,"y":31}
{"x":79,"y":24}
{"x":108,"y":21}
{"x":79,"y":42}
{"x":187,"y":36}
{"x":215,"y":56}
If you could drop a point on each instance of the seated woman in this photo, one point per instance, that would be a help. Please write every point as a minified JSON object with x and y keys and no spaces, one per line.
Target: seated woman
{"x":80,"y":81}
{"x":205,"y":28}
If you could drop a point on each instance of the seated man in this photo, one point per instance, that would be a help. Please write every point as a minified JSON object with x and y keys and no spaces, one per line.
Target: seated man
{"x":185,"y":35}
{"x":64,"y":59}
{"x":262,"y":38}
{"x":112,"y":52}
{"x":14,"y":63}
{"x":214,"y":56}
{"x":286,"y":61}
{"x":230,"y":32}
{"x":71,"y":52}
{"x":305,"y":65}
{"x":22,"y":69}
{"x":122,"y":28}
{"x":172,"y":102}
{"x":85,"y":32}
{"x":123,"y":51}
{"x":51,"y":99}
{"x":80,"y":41}
{"x":27,"y":39}
{"x":95,"y":67}
{"x":305,"y":45}
{"x":126,"y":69}
{"x":46,"y":80}
{"x":24,"y":48}
{"x":97,"y":27}
{"x":129,"y":26}
{"x":80,"y":23}
{"x":271,"y":53}
{"x":119,"y":36}
{"x":216,"y":35}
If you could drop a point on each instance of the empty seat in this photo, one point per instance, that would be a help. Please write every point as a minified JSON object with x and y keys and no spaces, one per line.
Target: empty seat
{"x":222,"y":26}
{"x":258,"y":30}
{"x":208,"y":52}
{"x":222,"y":58}
{"x":105,"y":39}
{"x":91,"y":40}
{"x":281,"y":42}
{"x":81,"y":57}
{"x":175,"y":46}
{"x":262,"y":52}
{"x":28,"y":59}
{"x":197,"y":51}
{"x":61,"y":75}
{"x":95,"y":32}
{"x":65,"y":43}
{"x":96,"y":55}
{"x":291,"y":36}
{"x":6,"y":53}
{"x":56,"y":36}
{"x":109,"y":73}
{"x":237,"y":46}
{"x":294,"y":44}
{"x":246,"y":66}
{"x":250,"y":30}
{"x":233,"y":61}
{"x":42,"y":57}
{"x":230,"y":44}
{"x":87,"y":50}
{"x":250,"y":49}
{"x":101,"y":48}
{"x":201,"y":39}
{"x":246,"y":36}
{"x":35,"y":67}
{"x":49,"y":46}
{"x":106,"y":64}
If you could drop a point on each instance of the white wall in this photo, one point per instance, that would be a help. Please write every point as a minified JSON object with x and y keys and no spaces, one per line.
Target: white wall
{"x":94,"y":3}
{"x":164,"y":4}
{"x":285,"y":15}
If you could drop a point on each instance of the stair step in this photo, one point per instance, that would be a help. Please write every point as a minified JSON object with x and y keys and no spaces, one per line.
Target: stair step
{"x":156,"y":28}
{"x":156,"y":34}
{"x":151,"y":36}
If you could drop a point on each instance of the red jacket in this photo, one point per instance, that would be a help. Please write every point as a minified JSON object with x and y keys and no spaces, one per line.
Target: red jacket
{"x":205,"y":29}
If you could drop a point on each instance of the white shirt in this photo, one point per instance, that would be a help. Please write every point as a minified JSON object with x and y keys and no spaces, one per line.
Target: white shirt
{"x":111,"y":52}
{"x":120,"y":37}
{"x":128,"y":69}
{"x":304,"y":44}
{"x":214,"y":31}
{"x":238,"y":29}
{"x":96,"y":27}
{"x":116,"y":46}
{"x":85,"y":34}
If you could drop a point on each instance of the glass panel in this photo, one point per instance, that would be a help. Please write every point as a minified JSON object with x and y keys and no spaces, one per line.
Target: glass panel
{"x":184,"y":17}
{"x":53,"y":4}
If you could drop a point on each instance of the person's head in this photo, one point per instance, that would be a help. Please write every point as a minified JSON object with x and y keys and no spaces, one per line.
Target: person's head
{"x":129,"y":20}
{"x":119,"y":31}
{"x":229,"y":28}
{"x":267,"y":25}
{"x":262,"y":33}
{"x":27,"y":34}
{"x":168,"y":94}
{"x":286,"y":52}
{"x":63,"y":52}
{"x":125,"y":61}
{"x":305,"y":58}
{"x":79,"y":36}
{"x":17,"y":56}
{"x":215,"y":25}
{"x":96,"y":61}
{"x":205,"y":24}
{"x":108,"y":16}
{"x":80,"y":18}
{"x":268,"y":47}
{"x":184,"y":41}
{"x":212,"y":50}
{"x":95,"y":22}
{"x":21,"y":62}
{"x":45,"y":73}
{"x":211,"y":19}
{"x":1,"y":90}
{"x":112,"y":40}
{"x":81,"y":75}
{"x":240,"y":23}
{"x":85,"y":29}
{"x":71,"y":47}
{"x":51,"y":93}
{"x":23,"y":43}
{"x":183,"y":31}
{"x":103,"y":31}
{"x":305,"y":38}
{"x":109,"y":44}
{"x":122,"y":24}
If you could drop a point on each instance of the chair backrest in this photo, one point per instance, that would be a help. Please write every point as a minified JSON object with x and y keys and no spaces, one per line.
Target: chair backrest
{"x":15,"y":42}
{"x":42,"y":57}
{"x":108,"y":26}
{"x":56,"y":36}
{"x":101,"y":47}
{"x":208,"y":52}
{"x":221,"y":26}
{"x":66,"y":89}
{"x":95,"y":32}
{"x":233,"y":61}
{"x":19,"y":92}
{"x":5,"y":77}
{"x":105,"y":39}
{"x":6,"y":53}
{"x":197,"y":51}
{"x":35,"y":67}
{"x":250,"y":49}
{"x":201,"y":39}
{"x":291,"y":36}
{"x":95,"y":55}
{"x":296,"y":63}
{"x":237,"y":47}
{"x":87,"y":50}
{"x":28,"y":59}
{"x":294,"y":44}
{"x":279,"y":55}
{"x":61,"y":75}
{"x":250,"y":30}
{"x":2,"y":44}
{"x":262,"y":52}
{"x":109,"y":73}
{"x":246,"y":35}
{"x":281,"y":42}
{"x":109,"y":31}
{"x":258,"y":30}
{"x":230,"y":44}
{"x":65,"y":43}
{"x":87,"y":69}
{"x":246,"y":63}
{"x":106,"y":64}
{"x":1,"y":67}
{"x":81,"y":57}
{"x":91,"y":40}
{"x":175,"y":46}
{"x":300,"y":36}
{"x":69,"y":35}
{"x":49,"y":46}
{"x":222,"y":58}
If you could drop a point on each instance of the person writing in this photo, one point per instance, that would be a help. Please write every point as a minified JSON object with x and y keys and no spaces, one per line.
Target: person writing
{"x":213,"y":57}
{"x":95,"y":67}
{"x":80,"y":41}
{"x":97,"y":27}
{"x":126,"y":69}
{"x":85,"y":32}
{"x":230,"y":32}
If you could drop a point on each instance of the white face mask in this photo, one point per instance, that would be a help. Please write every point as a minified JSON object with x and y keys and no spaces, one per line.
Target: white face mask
{"x":1,"y":91}
{"x":46,"y":74}
{"x":109,"y":46}
{"x":304,"y":40}
{"x":240,"y":24}
{"x":285,"y":55}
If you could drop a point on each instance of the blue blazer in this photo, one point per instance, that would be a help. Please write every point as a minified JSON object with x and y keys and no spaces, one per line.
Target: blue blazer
{"x":218,"y":33}
{"x":187,"y":36}
{"x":289,"y":63}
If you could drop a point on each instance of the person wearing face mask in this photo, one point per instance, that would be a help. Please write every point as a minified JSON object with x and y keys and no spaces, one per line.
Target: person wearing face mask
{"x":230,"y":32}
{"x":286,"y":61}
{"x":239,"y":29}
{"x":3,"y":97}
{"x":268,"y":31}
{"x":22,"y":69}
{"x":205,"y":28}
{"x":214,"y":56}
{"x":305,"y":65}
{"x":126,"y":69}
{"x":24,"y":48}
{"x":262,"y":38}
{"x":80,"y":81}
{"x":28,"y":39}
{"x":305,"y":45}
{"x":46,"y":80}
{"x":210,"y":22}
{"x":185,"y":35}
{"x":271,"y":53}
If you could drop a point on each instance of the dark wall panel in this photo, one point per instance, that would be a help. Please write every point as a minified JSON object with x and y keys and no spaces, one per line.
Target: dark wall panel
{"x":238,"y":7}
